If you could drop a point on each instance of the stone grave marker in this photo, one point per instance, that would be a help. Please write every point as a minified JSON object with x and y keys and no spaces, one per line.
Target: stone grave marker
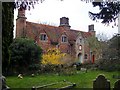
{"x":117,"y":85}
{"x":101,"y":83}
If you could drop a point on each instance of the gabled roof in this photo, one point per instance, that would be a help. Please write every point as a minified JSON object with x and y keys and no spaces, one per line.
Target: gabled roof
{"x":54,"y":33}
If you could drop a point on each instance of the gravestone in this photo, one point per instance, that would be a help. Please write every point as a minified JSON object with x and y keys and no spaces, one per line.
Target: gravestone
{"x":4,"y":86}
{"x":116,"y":76}
{"x":101,"y":83}
{"x":117,"y":85}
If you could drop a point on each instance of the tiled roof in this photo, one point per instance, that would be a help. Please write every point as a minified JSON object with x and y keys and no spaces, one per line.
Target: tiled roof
{"x":54,"y":33}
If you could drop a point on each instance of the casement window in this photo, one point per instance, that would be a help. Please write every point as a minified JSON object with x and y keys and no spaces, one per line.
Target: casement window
{"x":43,"y":37}
{"x":85,"y":56}
{"x":80,"y":40}
{"x":64,"y":39}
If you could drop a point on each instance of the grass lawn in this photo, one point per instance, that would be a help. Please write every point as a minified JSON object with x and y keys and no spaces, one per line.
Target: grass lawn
{"x":82,"y":79}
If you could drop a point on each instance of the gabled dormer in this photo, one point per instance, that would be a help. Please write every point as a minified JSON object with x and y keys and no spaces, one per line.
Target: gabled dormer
{"x":43,"y":37}
{"x":79,"y":39}
{"x":64,"y":37}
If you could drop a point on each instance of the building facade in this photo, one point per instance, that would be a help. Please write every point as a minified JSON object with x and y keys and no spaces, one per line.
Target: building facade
{"x":70,"y":41}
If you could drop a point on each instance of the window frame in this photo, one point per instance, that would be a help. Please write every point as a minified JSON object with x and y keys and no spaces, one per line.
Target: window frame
{"x":85,"y":56}
{"x":43,"y":37}
{"x":64,"y":39}
{"x":80,"y":40}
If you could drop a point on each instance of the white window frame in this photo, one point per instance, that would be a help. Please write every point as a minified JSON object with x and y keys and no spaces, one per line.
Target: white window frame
{"x":64,"y":39}
{"x":43,"y":38}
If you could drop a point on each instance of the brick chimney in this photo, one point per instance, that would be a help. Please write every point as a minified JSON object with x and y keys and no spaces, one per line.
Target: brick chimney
{"x":64,"y":22}
{"x":21,"y":23}
{"x":91,"y":29}
{"x":21,"y":13}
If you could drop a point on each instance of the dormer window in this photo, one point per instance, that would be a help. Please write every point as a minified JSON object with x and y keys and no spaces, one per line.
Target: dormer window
{"x":43,"y":37}
{"x":64,"y":38}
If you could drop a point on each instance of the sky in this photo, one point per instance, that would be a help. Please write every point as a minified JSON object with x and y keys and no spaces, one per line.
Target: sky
{"x":50,"y":12}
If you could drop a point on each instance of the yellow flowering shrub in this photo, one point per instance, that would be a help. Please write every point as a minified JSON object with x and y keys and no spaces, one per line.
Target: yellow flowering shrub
{"x":53,"y":56}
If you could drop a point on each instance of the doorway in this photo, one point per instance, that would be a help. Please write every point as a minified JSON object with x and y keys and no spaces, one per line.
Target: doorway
{"x":80,"y":59}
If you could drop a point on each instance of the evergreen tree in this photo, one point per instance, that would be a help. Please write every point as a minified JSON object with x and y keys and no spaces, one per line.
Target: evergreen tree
{"x":108,"y":13}
{"x":7,"y":32}
{"x":25,"y":55}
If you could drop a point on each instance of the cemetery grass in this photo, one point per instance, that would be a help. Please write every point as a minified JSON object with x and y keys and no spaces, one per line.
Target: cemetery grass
{"x":82,"y":79}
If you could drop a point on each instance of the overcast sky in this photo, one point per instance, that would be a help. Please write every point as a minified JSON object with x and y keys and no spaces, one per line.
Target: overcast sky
{"x":50,"y":12}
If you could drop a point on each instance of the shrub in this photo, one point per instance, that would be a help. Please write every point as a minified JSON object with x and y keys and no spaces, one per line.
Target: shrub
{"x":25,"y":54}
{"x":57,"y":62}
{"x":108,"y":65}
{"x":53,"y":56}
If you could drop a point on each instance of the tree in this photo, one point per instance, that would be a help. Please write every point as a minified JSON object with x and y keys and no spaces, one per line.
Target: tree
{"x":26,"y":4}
{"x":25,"y":55}
{"x":102,"y":37}
{"x":95,"y":46}
{"x":7,"y":32}
{"x":109,"y":11}
{"x":114,"y":45}
{"x":110,"y":55}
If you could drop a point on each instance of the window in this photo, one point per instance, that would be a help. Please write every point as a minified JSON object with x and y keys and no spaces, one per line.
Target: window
{"x":85,"y":56}
{"x":80,"y":40}
{"x":80,"y":47}
{"x":64,"y":39}
{"x":43,"y":37}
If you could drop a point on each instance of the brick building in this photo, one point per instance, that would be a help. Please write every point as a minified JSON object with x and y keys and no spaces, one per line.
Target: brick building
{"x":69,"y":41}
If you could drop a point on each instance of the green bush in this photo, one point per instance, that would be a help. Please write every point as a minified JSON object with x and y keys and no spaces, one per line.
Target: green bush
{"x":109,"y":65}
{"x":25,"y":55}
{"x":50,"y":68}
{"x":59,"y":69}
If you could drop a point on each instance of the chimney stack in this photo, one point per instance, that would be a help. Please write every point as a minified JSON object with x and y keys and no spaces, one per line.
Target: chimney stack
{"x":21,"y":13}
{"x":21,"y":23}
{"x":64,"y":22}
{"x":91,"y":29}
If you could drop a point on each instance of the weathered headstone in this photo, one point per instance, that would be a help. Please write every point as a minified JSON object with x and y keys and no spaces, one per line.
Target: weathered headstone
{"x":4,"y":86}
{"x":117,"y":85}
{"x":116,"y":76}
{"x":101,"y":83}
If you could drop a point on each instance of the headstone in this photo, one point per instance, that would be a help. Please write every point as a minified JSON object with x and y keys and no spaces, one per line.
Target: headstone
{"x":116,"y":76}
{"x":84,"y":69}
{"x":4,"y":86}
{"x":33,"y":88}
{"x":101,"y":83}
{"x":117,"y":85}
